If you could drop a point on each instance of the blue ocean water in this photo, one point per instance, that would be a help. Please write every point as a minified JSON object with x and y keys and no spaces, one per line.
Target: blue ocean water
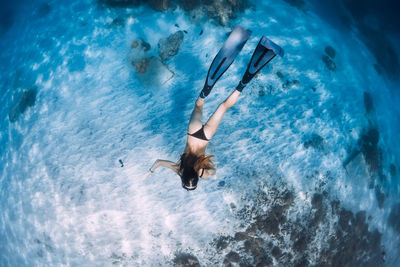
{"x":80,"y":128}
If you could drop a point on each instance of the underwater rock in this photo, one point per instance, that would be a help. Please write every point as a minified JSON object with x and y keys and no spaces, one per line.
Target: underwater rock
{"x":262,"y":260}
{"x":240,"y":236}
{"x":135,"y":44}
{"x":6,"y":18}
{"x":330,"y":51}
{"x":157,"y":73}
{"x":375,"y":24}
{"x":276,"y":252}
{"x":222,"y":242}
{"x":347,"y":245}
{"x":120,"y":3}
{"x":26,"y":100}
{"x":317,"y":219}
{"x":357,"y":167}
{"x":369,"y":147}
{"x":329,"y":63}
{"x":43,"y":10}
{"x":119,"y":21}
{"x":224,"y":10}
{"x":382,"y":48}
{"x":141,"y":44}
{"x":368,"y":103}
{"x":280,"y":74}
{"x":316,"y":141}
{"x":394,"y":216}
{"x":141,"y":65}
{"x":189,"y":4}
{"x":380,"y":196}
{"x":159,"y":5}
{"x":346,"y":219}
{"x":352,"y":241}
{"x":169,"y":47}
{"x":185,"y":260}
{"x":300,"y":241}
{"x":268,"y":224}
{"x":288,"y":84}
{"x":287,"y":199}
{"x":138,"y":55}
{"x":232,"y":257}
{"x":316,"y":201}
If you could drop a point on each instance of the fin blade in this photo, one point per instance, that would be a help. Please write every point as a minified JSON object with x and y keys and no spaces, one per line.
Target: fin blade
{"x":265,"y":51}
{"x":226,"y":55}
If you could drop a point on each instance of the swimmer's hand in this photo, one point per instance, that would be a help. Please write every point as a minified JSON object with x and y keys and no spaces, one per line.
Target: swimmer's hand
{"x":164,"y":163}
{"x":148,"y":174}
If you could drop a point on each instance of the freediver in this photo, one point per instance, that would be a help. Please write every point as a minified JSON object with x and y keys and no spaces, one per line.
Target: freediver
{"x":194,"y":162}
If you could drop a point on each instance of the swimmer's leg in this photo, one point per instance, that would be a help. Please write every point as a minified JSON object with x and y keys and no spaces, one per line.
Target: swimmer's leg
{"x":195,"y":122}
{"x":212,"y":124}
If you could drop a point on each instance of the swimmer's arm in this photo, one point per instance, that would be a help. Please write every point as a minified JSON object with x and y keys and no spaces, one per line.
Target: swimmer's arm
{"x":209,"y":173}
{"x":164,"y":163}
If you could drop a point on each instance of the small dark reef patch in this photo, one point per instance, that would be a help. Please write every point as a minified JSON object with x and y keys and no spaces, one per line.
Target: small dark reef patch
{"x":26,"y":100}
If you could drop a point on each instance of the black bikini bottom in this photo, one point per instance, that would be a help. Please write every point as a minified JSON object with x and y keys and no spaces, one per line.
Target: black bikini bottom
{"x":200,"y":134}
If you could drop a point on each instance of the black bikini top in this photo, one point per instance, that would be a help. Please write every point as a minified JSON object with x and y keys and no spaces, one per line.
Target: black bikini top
{"x":202,"y":172}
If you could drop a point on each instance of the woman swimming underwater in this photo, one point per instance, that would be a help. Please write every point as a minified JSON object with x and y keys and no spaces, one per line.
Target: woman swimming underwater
{"x":194,"y":162}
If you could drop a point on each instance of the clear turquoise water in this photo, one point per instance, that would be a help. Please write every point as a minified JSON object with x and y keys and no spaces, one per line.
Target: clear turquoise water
{"x":65,"y":200}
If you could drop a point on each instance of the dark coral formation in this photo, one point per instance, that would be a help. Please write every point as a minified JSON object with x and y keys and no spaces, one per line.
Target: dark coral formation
{"x":330,"y":51}
{"x":330,"y":54}
{"x":120,"y":3}
{"x":380,"y":196}
{"x":368,"y":103}
{"x":141,"y":65}
{"x":159,"y":5}
{"x":150,"y":70}
{"x":375,"y":35}
{"x":262,"y":242}
{"x":221,"y":11}
{"x":329,"y":63}
{"x":224,"y":10}
{"x":169,"y":47}
{"x":26,"y":100}
{"x":369,"y":147}
{"x":43,"y":10}
{"x":185,"y":260}
{"x":394,"y":216}
{"x":141,"y":44}
{"x":189,"y":4}
{"x":392,"y":170}
{"x":353,"y":244}
{"x":287,"y":83}
{"x":7,"y":13}
{"x":315,"y":141}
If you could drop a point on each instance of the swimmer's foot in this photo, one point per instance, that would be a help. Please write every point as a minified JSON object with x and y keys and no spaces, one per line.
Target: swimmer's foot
{"x":225,"y":57}
{"x":265,"y":51}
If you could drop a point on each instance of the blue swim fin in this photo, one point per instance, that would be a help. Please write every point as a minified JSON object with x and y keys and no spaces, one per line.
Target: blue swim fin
{"x":225,"y":57}
{"x":265,"y":51}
